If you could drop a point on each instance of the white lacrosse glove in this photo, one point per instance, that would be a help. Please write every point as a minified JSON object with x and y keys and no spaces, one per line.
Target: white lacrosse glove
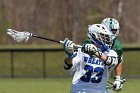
{"x":118,"y":83}
{"x":89,"y":49}
{"x":69,"y":48}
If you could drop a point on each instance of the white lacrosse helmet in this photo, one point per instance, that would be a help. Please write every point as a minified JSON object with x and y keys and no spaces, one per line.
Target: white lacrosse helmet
{"x":100,"y":35}
{"x":113,"y":25}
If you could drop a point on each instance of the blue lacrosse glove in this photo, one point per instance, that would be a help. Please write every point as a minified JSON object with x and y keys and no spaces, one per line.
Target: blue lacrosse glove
{"x":69,"y":48}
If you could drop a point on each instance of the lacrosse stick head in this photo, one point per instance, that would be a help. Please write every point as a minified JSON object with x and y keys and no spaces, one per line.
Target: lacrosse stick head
{"x":19,"y":36}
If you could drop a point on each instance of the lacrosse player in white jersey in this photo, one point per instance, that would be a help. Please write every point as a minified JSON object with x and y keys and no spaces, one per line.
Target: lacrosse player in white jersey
{"x":91,"y":65}
{"x":113,"y":25}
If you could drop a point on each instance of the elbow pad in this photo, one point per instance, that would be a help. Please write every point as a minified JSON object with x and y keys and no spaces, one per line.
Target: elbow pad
{"x":111,"y":61}
{"x":67,"y":66}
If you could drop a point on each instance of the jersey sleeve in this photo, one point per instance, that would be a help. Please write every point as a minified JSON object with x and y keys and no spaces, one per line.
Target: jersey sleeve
{"x":117,"y":47}
{"x":87,"y":41}
{"x":75,"y":63}
{"x":114,"y":58}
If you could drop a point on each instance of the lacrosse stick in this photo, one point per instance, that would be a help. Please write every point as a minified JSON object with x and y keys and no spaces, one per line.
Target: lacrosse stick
{"x":21,"y":36}
{"x":110,"y":82}
{"x":109,"y":87}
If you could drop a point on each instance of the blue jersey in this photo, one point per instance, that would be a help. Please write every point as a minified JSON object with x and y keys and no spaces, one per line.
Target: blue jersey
{"x":90,"y":74}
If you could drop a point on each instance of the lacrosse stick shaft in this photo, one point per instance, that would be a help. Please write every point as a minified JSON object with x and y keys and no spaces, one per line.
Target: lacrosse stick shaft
{"x":47,"y":39}
{"x":110,"y":82}
{"x":76,"y":46}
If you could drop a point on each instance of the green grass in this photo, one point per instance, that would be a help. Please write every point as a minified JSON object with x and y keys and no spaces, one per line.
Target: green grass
{"x":131,"y":86}
{"x":52,"y":85}
{"x":131,"y":64}
{"x":35,"y":85}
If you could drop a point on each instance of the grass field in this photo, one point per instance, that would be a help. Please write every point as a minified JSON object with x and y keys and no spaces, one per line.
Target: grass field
{"x":51,"y":85}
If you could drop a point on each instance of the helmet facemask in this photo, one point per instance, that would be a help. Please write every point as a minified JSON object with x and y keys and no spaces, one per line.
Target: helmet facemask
{"x":100,"y":35}
{"x":105,"y":39}
{"x":115,"y":32}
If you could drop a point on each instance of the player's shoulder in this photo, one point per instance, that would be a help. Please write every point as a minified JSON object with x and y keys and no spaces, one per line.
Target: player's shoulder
{"x":117,"y":45}
{"x":87,"y":41}
{"x":117,"y":41}
{"x":112,"y":53}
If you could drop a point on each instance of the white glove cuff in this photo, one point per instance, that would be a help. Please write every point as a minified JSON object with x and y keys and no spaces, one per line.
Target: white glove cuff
{"x":118,"y":78}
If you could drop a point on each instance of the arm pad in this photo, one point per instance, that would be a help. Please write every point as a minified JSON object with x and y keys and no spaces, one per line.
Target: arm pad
{"x":112,"y":58}
{"x":67,"y":66}
{"x":111,"y":61}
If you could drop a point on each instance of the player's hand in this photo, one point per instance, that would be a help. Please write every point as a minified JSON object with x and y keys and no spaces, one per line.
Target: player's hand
{"x":89,"y":49}
{"x":118,"y":83}
{"x":69,"y":48}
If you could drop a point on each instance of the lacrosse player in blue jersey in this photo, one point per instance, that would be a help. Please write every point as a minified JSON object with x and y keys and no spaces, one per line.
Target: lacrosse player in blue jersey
{"x":91,"y":65}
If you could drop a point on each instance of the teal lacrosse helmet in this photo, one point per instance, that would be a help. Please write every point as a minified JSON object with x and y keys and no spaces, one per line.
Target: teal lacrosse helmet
{"x":113,"y":25}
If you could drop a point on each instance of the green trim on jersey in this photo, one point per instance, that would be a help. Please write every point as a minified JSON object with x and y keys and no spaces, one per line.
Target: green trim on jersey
{"x":87,"y":41}
{"x":117,"y":47}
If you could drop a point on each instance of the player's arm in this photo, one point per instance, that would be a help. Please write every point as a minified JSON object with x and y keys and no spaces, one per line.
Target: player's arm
{"x":69,"y":50}
{"x":118,"y":69}
{"x":118,"y":80}
{"x":109,"y":59}
{"x":68,"y":63}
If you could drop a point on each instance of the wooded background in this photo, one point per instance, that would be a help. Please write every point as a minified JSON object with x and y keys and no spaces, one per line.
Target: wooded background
{"x":59,"y":19}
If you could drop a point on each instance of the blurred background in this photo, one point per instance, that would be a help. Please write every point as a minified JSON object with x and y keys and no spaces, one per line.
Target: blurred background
{"x":60,"y":19}
{"x":68,"y":18}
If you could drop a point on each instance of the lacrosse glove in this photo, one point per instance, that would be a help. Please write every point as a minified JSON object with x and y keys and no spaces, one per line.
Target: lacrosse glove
{"x":89,"y":49}
{"x":69,"y":48}
{"x":118,"y":83}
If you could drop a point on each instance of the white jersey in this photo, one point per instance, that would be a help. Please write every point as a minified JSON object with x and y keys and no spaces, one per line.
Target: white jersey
{"x":90,"y":73}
